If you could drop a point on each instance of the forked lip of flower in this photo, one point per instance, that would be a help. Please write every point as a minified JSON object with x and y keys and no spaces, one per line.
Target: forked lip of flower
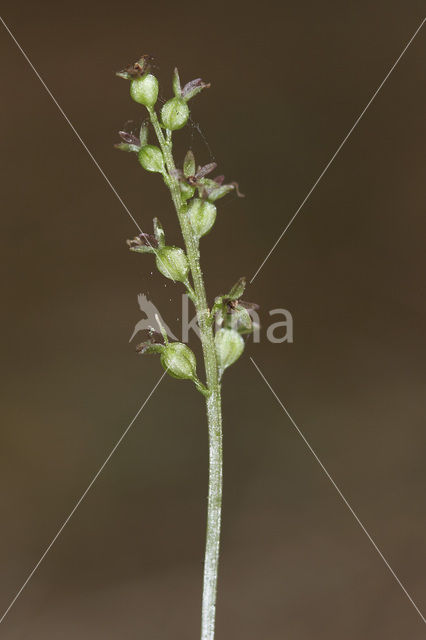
{"x":143,"y":240}
{"x":141,"y":347}
{"x":155,"y":338}
{"x":207,"y":188}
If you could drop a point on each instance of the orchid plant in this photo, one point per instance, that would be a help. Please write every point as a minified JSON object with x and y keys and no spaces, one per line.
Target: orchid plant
{"x":222,"y":325}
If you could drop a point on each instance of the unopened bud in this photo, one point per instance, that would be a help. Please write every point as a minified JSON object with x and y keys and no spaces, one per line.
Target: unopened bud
{"x":179,"y":361}
{"x":202,"y":215}
{"x":144,"y":90}
{"x":159,"y":233}
{"x":173,"y":263}
{"x":151,"y":158}
{"x":189,"y":164}
{"x":229,"y":347}
{"x":143,"y":134}
{"x":175,"y":114}
{"x":177,"y":89}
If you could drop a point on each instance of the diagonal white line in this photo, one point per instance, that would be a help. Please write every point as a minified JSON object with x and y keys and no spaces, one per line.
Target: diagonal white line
{"x":101,"y":171}
{"x":339,"y":491}
{"x":80,"y":500}
{"x":333,"y":157}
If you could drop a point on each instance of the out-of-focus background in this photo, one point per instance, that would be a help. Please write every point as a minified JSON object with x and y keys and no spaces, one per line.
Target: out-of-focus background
{"x":288,"y":81}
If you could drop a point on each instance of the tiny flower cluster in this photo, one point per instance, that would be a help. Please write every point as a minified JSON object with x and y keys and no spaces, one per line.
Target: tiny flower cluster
{"x":171,"y":261}
{"x":194,"y":195}
{"x":233,"y":320}
{"x":177,"y":358}
{"x":191,"y":179}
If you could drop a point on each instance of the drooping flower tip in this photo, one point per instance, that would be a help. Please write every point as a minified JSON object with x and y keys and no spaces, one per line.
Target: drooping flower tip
{"x":193,"y":87}
{"x":190,"y":89}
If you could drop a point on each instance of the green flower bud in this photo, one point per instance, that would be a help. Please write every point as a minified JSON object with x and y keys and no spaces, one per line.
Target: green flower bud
{"x":177,"y":89}
{"x":229,"y":347}
{"x":202,"y":215}
{"x":143,"y":134}
{"x":144,"y":90}
{"x":189,"y":164}
{"x":159,"y":233}
{"x":151,"y":158}
{"x":179,"y":361}
{"x":172,"y":263}
{"x":175,"y":114}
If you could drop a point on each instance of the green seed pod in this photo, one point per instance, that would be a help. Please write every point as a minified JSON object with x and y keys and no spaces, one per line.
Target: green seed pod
{"x":151,"y":158}
{"x":144,"y":90}
{"x":179,"y":361}
{"x":202,"y":215}
{"x":175,"y":114}
{"x":172,"y":263}
{"x":229,"y":347}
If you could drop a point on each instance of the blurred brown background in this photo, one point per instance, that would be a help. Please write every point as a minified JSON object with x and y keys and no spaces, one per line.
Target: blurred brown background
{"x":288,"y":81}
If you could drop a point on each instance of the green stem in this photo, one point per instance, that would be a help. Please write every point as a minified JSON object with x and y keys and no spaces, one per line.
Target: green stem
{"x":213,"y":401}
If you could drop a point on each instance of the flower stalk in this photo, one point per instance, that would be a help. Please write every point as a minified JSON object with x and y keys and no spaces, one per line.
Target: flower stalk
{"x":213,"y":401}
{"x":196,"y":217}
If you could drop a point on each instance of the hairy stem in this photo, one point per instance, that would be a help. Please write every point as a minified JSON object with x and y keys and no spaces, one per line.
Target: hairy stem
{"x":213,"y":401}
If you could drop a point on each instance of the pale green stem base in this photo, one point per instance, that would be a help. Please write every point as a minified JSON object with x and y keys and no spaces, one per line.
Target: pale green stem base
{"x":213,"y":401}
